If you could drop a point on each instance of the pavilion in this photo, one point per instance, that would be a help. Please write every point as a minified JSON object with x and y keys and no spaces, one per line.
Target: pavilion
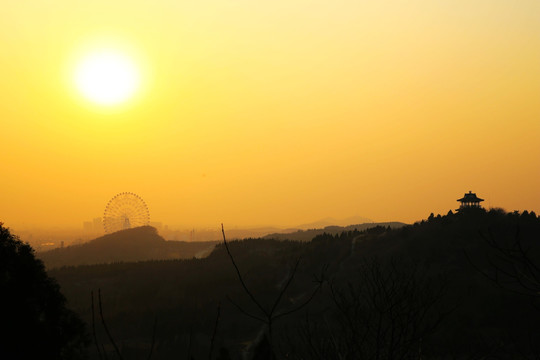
{"x":470,"y":200}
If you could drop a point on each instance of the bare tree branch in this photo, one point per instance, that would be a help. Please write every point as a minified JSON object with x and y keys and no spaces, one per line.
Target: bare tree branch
{"x":286,"y":286}
{"x":303,"y":304}
{"x":153,"y":339}
{"x":106,"y":328}
{"x":245,"y":312}
{"x":214,"y":332}
{"x":512,"y":266}
{"x":269,"y":315}
{"x":189,"y":342}
{"x":94,"y":327}
{"x":246,"y":289}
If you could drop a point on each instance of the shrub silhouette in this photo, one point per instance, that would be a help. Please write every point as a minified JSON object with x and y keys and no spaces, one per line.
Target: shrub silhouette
{"x":35,"y":322}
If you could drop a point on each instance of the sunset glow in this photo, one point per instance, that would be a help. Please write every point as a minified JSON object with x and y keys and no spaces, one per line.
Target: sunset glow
{"x":252,"y":113}
{"x":284,"y":179}
{"x":107,"y":78}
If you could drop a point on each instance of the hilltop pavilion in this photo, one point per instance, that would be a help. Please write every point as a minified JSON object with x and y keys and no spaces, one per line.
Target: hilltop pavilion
{"x":470,"y":200}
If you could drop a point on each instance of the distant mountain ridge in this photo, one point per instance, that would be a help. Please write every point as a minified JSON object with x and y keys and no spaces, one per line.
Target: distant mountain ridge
{"x":308,"y":235}
{"x":236,"y":232}
{"x":329,"y":221}
{"x":137,"y":244}
{"x":144,"y":243}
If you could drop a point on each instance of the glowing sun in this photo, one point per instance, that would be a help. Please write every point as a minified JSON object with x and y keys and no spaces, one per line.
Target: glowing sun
{"x":107,"y":78}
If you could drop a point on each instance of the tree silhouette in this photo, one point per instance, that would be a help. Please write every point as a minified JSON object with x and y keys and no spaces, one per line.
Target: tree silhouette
{"x":35,"y":322}
{"x":269,"y":315}
{"x":386,"y":314}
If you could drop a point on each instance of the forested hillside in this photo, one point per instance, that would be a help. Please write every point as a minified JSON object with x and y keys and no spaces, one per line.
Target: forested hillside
{"x":456,"y":286}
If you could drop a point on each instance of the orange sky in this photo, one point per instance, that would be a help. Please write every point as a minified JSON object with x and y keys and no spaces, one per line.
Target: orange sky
{"x":272,"y":112}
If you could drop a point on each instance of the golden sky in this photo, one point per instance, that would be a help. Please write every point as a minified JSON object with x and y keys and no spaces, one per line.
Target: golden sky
{"x":272,"y":112}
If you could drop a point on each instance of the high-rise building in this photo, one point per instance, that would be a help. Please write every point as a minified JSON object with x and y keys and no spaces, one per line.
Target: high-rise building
{"x":98,"y":225}
{"x":88,"y":226}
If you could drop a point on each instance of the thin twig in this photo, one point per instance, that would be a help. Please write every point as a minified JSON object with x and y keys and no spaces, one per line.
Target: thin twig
{"x":269,"y":315}
{"x":514,"y":264}
{"x":284,"y":288}
{"x":245,"y":312}
{"x":189,"y":342}
{"x":240,"y":275}
{"x":214,"y":332}
{"x":94,"y":327}
{"x":302,"y":305}
{"x":106,"y":328}
{"x":153,"y":339}
{"x":319,"y":282}
{"x":104,"y":352}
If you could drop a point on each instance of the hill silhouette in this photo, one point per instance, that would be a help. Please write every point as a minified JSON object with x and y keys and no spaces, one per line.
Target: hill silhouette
{"x":137,"y":244}
{"x":428,"y":282}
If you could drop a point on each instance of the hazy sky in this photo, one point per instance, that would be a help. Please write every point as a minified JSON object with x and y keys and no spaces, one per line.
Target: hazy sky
{"x":272,"y":112}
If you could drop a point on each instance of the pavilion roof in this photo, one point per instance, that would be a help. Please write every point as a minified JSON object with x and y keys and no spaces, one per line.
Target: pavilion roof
{"x":470,"y":197}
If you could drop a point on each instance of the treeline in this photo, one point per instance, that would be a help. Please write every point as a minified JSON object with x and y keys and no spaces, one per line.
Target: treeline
{"x":454,"y":286}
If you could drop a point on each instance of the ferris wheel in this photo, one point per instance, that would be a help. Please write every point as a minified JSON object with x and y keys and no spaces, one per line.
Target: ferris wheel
{"x":124,"y":211}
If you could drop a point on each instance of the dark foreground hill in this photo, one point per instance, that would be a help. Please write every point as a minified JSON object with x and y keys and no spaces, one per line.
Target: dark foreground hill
{"x":137,"y":244}
{"x":460,"y":286}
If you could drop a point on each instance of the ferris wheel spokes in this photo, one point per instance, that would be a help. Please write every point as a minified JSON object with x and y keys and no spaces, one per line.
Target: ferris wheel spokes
{"x":124,"y":211}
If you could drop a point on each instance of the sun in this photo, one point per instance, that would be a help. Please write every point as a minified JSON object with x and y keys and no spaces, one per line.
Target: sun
{"x":107,"y":77}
